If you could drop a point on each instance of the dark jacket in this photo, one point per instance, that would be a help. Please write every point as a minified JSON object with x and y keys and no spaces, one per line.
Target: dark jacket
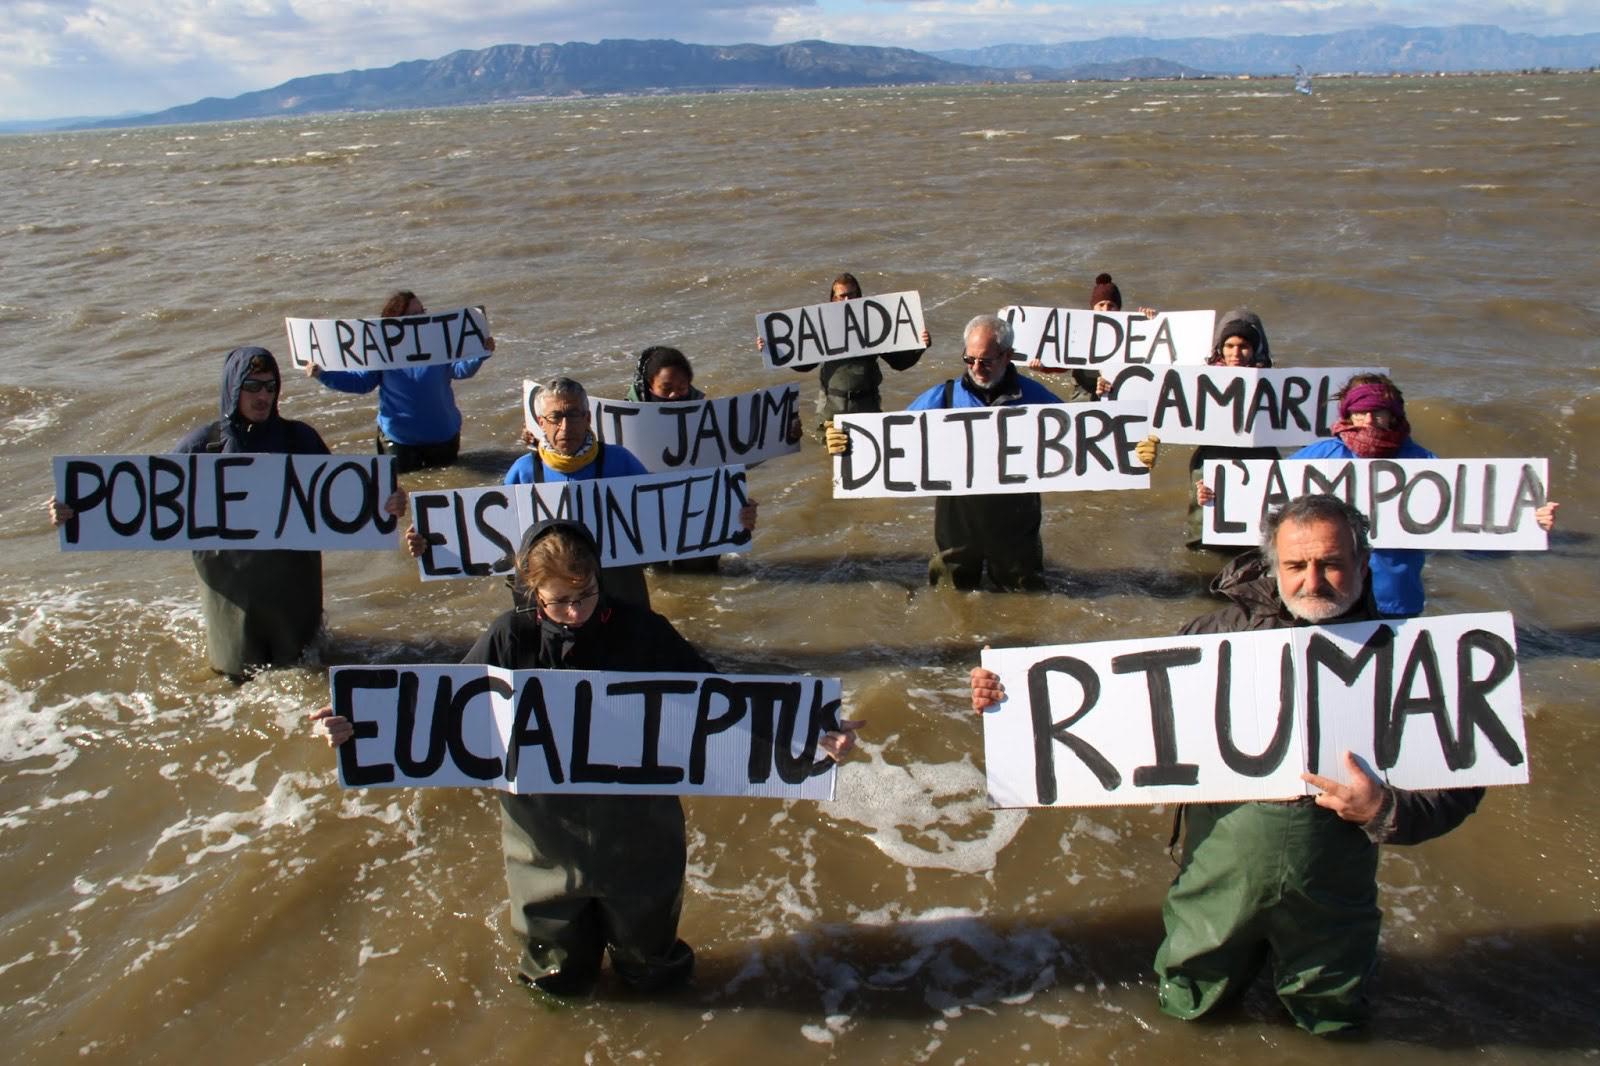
{"x":1252,"y":589}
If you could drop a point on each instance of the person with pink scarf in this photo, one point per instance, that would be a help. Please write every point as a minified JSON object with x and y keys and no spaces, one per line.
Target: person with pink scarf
{"x":1372,"y":425}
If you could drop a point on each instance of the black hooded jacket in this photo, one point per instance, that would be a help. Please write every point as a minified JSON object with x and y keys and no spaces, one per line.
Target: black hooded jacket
{"x":234,"y":433}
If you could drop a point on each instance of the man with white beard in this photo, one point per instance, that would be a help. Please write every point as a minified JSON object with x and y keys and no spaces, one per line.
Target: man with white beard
{"x":1290,"y":881}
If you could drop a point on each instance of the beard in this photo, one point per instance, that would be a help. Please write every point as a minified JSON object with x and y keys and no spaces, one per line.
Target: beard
{"x":1315,"y":608}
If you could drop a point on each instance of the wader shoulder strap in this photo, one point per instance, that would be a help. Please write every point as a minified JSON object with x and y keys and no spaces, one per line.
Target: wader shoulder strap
{"x":538,"y":467}
{"x":949,"y":392}
{"x":214,"y":437}
{"x":600,"y":460}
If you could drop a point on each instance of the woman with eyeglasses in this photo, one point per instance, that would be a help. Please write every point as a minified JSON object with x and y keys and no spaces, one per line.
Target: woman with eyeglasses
{"x":418,"y":421}
{"x":589,"y":875}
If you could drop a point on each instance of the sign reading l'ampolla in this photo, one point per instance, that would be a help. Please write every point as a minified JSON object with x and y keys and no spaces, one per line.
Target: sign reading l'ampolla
{"x":388,"y":343}
{"x":236,"y":500}
{"x":867,"y":325}
{"x":1060,"y":447}
{"x":646,"y":519}
{"x":586,"y":732}
{"x":1446,"y":504}
{"x":1427,"y":703}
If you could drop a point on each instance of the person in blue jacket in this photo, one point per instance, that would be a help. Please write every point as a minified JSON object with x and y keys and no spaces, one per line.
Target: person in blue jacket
{"x":997,"y":531}
{"x":418,"y":421}
{"x":1372,"y":425}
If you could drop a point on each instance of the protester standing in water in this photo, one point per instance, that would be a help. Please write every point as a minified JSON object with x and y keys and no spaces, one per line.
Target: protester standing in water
{"x":418,"y":421}
{"x":589,"y":875}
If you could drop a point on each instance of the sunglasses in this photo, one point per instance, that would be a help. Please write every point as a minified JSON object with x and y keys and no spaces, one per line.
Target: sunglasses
{"x":252,"y":385}
{"x":985,"y":363}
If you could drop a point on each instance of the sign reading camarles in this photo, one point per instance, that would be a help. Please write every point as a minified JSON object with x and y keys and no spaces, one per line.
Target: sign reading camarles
{"x":244,"y":500}
{"x":388,"y":343}
{"x":646,"y":519}
{"x":1239,"y":406}
{"x":576,"y":731}
{"x":867,"y":325}
{"x":1060,"y":447}
{"x":1463,"y":504}
{"x":1427,"y":703}
{"x":1063,"y":337}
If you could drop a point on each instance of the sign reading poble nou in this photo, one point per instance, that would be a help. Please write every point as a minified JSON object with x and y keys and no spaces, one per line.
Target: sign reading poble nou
{"x":1060,"y":447}
{"x":1427,"y":703}
{"x":867,"y":325}
{"x":238,"y":500}
{"x":586,"y":732}
{"x":388,"y":343}
{"x":1460,"y":504}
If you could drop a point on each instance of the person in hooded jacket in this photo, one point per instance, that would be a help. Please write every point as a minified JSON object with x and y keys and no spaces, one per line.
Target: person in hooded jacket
{"x":1240,"y":339}
{"x":261,"y":608}
{"x":1103,"y":296}
{"x":589,"y":875}
{"x":1293,"y":881}
{"x":418,"y":421}
{"x":663,"y":375}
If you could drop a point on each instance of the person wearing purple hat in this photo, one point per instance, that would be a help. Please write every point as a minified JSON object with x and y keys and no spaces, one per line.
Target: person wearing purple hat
{"x":1372,"y":425}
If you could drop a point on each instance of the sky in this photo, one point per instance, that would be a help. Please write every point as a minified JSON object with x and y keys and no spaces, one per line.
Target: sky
{"x":61,"y":58}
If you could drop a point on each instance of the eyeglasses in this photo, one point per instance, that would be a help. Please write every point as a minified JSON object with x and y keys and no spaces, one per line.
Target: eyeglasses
{"x":986,"y":363}
{"x":253,"y":385}
{"x":555,"y":418}
{"x":568,"y":605}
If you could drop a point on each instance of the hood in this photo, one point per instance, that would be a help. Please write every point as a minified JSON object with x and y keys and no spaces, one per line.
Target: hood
{"x":234,"y":370}
{"x":1263,"y":358}
{"x":520,"y":593}
{"x":1248,"y":583}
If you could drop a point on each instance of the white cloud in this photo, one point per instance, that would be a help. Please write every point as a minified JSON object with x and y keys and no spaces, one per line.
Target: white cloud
{"x":108,"y":56}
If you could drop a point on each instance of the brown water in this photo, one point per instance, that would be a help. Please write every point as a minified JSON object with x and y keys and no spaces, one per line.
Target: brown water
{"x":183,"y":877}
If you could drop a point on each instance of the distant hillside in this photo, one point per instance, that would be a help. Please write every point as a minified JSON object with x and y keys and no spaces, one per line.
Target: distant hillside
{"x":511,"y":72}
{"x":1382,"y":49}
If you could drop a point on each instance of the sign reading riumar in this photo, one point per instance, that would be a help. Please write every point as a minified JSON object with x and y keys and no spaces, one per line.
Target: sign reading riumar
{"x":867,"y":325}
{"x":1062,"y":337}
{"x":246,"y":500}
{"x":388,"y":343}
{"x":1058,"y":447}
{"x":1461,"y":504}
{"x":646,"y":519}
{"x":586,"y":732}
{"x":1428,"y":703}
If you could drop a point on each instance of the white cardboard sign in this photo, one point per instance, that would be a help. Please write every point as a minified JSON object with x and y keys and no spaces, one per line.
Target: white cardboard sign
{"x":1059,"y":447}
{"x":646,"y":519}
{"x":1426,"y":703}
{"x":388,"y":343}
{"x":867,"y":325}
{"x":235,"y":500}
{"x":586,"y":732}
{"x":1081,"y":339}
{"x":1277,"y":407}
{"x":1463,"y":504}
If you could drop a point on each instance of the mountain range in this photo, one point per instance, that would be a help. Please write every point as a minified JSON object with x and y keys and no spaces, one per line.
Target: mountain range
{"x":518,"y":72}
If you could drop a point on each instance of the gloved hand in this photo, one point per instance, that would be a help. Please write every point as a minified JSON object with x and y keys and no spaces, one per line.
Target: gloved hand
{"x":1148,"y":450}
{"x":836,"y":439}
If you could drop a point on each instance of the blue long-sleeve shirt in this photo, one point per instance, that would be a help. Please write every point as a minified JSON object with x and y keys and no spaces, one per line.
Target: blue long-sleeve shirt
{"x":613,"y":460}
{"x":416,"y":404}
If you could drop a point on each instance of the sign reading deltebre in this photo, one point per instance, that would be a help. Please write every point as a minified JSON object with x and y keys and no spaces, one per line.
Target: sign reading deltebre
{"x":1058,"y":447}
{"x":644,"y":519}
{"x":867,"y":325}
{"x":236,"y":500}
{"x":1460,"y":504}
{"x":1427,"y":703}
{"x":576,"y":731}
{"x":388,"y":343}
{"x":1088,"y":340}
